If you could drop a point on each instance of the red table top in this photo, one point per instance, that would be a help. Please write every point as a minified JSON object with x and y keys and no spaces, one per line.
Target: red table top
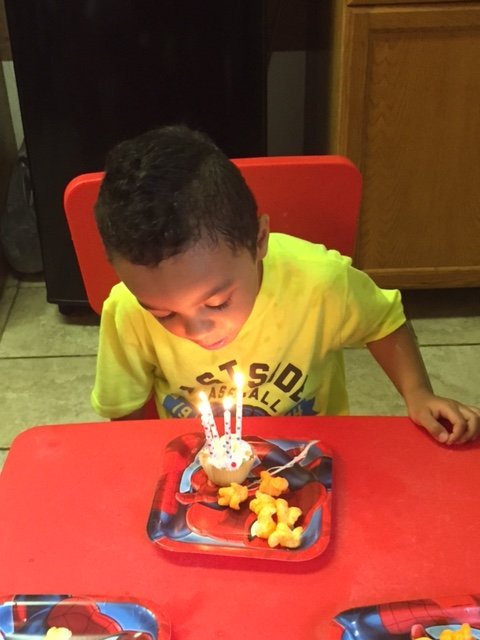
{"x":75,"y":500}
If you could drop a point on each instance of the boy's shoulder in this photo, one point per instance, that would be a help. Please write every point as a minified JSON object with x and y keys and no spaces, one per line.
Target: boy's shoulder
{"x":121,"y":300}
{"x":293,"y":264}
{"x":285,"y":248}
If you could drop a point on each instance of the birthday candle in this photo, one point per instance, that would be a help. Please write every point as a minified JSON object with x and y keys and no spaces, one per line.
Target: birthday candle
{"x":238,"y":380}
{"x":227,"y":405}
{"x":209,"y":414}
{"x":206,"y":428}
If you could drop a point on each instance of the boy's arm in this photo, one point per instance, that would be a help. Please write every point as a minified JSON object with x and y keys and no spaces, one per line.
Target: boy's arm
{"x":400,"y":358}
{"x":138,"y":414}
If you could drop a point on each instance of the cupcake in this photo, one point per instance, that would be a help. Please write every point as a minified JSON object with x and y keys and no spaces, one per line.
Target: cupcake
{"x":222,"y":467}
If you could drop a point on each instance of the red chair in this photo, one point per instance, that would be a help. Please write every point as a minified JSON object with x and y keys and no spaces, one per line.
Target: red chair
{"x":313,"y":197}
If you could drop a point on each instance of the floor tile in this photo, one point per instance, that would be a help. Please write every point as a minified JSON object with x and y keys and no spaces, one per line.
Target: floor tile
{"x":3,"y":457}
{"x":369,"y":389}
{"x":11,"y":280}
{"x":444,"y":316}
{"x":45,"y":391}
{"x":36,"y":328}
{"x":447,"y":331}
{"x":453,"y":372}
{"x":37,"y":280}
{"x":7,"y":299}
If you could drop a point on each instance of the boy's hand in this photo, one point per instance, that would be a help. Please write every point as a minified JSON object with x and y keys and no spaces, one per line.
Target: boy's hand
{"x":432,"y":412}
{"x":400,"y":358}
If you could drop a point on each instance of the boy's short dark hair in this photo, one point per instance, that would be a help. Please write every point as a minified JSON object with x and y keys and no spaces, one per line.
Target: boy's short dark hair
{"x":168,"y":188}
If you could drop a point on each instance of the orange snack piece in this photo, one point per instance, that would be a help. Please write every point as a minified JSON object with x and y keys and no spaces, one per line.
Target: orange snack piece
{"x":232,"y":496}
{"x":285,"y":537}
{"x":286,"y":514}
{"x":264,"y":525}
{"x":272,"y":485}
{"x":261,"y":500}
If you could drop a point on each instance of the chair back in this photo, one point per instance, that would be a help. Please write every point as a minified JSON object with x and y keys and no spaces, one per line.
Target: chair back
{"x":313,"y":197}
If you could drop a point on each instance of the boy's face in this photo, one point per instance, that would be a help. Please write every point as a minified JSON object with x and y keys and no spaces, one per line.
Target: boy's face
{"x":204,"y":294}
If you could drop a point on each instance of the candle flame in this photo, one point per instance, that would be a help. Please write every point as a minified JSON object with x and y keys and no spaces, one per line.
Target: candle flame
{"x":238,"y":379}
{"x":227,"y":403}
{"x":203,"y":396}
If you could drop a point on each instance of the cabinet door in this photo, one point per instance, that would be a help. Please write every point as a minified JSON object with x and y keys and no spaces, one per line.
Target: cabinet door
{"x":409,"y":117}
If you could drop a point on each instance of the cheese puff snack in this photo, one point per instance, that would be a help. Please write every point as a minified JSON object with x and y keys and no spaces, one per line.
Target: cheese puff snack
{"x":264,"y":525}
{"x":261,"y":500}
{"x":285,"y":513}
{"x":285,"y":537}
{"x":272,"y":485}
{"x":464,"y":633}
{"x":232,"y":496}
{"x":58,"y":633}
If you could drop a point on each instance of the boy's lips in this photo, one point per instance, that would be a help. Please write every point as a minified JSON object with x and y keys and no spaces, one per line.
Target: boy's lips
{"x":213,"y":345}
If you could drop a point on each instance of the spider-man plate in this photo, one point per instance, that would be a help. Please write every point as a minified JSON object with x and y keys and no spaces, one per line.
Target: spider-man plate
{"x":28,"y":617}
{"x":409,"y":620}
{"x":185,"y":515}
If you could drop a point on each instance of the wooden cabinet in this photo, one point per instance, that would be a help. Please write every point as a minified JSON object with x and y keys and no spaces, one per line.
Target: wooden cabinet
{"x":406,"y":110}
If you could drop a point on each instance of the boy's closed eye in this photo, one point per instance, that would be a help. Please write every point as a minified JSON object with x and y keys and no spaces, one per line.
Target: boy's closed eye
{"x":163,"y":317}
{"x":220,"y":305}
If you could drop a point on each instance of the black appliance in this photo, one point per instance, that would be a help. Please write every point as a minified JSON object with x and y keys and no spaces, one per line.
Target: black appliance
{"x":93,"y":72}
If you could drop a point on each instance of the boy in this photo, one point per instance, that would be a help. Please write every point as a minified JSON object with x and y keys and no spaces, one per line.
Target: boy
{"x":206,"y":291}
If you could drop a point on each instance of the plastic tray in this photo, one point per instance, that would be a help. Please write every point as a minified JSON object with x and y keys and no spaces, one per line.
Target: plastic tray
{"x":25,"y":617}
{"x":185,"y":515}
{"x":404,"y":620}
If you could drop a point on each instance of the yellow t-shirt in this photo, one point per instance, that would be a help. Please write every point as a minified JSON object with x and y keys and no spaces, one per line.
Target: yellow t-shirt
{"x":311,"y":303}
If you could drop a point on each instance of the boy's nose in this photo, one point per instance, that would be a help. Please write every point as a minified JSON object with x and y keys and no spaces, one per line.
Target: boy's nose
{"x":197,"y":327}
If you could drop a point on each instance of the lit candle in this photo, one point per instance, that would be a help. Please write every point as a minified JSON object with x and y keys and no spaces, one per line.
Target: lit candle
{"x":209,"y":414}
{"x":227,"y":415}
{"x":238,"y":380}
{"x":206,"y":428}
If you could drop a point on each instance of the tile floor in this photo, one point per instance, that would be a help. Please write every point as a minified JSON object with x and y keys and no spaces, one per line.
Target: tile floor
{"x":47,"y":360}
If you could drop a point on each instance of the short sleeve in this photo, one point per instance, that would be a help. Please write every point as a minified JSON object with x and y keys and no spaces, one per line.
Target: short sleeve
{"x":124,"y":373}
{"x":370,"y":313}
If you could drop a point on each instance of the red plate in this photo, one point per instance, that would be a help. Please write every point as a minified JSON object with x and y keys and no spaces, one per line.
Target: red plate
{"x":185,"y":515}
{"x":28,"y":617}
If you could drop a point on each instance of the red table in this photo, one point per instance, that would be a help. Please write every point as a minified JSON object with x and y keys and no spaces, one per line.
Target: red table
{"x":75,"y":500}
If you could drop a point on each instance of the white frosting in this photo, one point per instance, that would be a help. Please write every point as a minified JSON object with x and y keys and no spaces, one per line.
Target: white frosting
{"x":241,"y":451}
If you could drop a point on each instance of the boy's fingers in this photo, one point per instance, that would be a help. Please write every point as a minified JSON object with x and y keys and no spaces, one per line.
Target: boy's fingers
{"x":459,"y":429}
{"x":459,"y":425}
{"x":435,"y":428}
{"x":472,"y":417}
{"x":463,"y":423}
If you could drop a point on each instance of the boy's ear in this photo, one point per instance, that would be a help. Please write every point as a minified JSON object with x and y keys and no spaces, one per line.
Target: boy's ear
{"x":262,"y":236}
